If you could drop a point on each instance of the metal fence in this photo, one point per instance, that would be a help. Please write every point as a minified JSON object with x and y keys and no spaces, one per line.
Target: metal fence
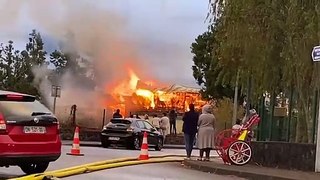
{"x":283,"y":119}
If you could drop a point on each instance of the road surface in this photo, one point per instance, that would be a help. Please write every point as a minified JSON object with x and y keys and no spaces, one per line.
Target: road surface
{"x":163,"y":171}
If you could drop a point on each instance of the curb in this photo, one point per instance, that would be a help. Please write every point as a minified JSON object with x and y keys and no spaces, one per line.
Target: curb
{"x":243,"y":172}
{"x":98,"y":144}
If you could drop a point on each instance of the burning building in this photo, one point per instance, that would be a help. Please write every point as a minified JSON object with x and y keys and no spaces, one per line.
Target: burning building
{"x":131,"y":95}
{"x":135,"y":95}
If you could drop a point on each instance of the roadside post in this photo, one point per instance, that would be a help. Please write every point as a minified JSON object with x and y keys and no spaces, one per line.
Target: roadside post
{"x":316,"y":58}
{"x":103,"y":117}
{"x":55,"y":92}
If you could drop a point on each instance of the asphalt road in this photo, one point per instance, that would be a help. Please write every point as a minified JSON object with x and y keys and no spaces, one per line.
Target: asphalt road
{"x":163,"y":171}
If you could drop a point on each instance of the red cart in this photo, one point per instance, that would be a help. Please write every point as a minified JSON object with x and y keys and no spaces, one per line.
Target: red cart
{"x":233,"y":146}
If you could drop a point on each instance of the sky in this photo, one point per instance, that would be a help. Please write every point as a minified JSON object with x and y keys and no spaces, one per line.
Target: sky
{"x":159,"y":31}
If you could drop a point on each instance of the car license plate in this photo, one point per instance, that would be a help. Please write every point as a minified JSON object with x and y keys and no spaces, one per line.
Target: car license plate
{"x":114,"y":138}
{"x":34,"y":129}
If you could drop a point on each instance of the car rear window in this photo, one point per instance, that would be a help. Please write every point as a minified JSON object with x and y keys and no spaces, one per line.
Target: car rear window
{"x":19,"y":108}
{"x":120,"y":121}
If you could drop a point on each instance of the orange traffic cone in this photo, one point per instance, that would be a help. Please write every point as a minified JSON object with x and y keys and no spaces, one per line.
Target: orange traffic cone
{"x":144,"y":155}
{"x":75,"y":151}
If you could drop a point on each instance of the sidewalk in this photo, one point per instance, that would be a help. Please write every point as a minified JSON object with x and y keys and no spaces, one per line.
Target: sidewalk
{"x":251,"y":172}
{"x":98,"y":144}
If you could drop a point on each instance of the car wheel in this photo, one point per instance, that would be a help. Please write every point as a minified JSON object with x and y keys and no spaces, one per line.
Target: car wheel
{"x":136,"y":143}
{"x":159,"y":145}
{"x":32,"y":168}
{"x":105,"y":143}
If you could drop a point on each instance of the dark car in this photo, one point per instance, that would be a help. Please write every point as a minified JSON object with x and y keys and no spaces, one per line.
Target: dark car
{"x":29,"y":133}
{"x":129,"y":132}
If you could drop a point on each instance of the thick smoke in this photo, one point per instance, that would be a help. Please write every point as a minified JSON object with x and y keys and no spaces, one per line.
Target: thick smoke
{"x":100,"y":35}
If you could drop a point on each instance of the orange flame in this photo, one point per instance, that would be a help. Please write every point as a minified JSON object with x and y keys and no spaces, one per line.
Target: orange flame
{"x":129,"y":87}
{"x":132,"y":94}
{"x":147,"y":94}
{"x":133,"y":80}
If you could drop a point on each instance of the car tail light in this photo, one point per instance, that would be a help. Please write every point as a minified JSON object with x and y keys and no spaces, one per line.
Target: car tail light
{"x":14,"y":97}
{"x":58,"y":127}
{"x":3,"y":126}
{"x":17,"y":97}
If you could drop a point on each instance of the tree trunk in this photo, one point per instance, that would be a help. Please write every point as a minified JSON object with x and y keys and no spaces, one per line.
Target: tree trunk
{"x":298,"y":132}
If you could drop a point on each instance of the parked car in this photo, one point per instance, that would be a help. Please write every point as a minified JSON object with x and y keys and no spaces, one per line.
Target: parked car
{"x":29,"y":133}
{"x":129,"y":132}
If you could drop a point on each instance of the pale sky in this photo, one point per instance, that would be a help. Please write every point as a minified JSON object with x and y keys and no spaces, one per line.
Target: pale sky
{"x":163,"y":31}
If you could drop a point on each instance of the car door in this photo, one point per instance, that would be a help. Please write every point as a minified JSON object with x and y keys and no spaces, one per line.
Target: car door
{"x":143,"y":129}
{"x":152,"y":133}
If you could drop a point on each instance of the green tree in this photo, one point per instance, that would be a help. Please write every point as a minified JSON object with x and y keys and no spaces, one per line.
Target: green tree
{"x":34,"y":55}
{"x":13,"y":70}
{"x":35,"y":49}
{"x":269,"y":42}
{"x":205,"y":69}
{"x":59,"y":60}
{"x":68,"y":60}
{"x":16,"y":67}
{"x":7,"y":61}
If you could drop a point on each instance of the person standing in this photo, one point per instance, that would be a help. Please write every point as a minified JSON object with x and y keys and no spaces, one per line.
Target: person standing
{"x":189,"y":128}
{"x":236,"y":127}
{"x":156,"y":121}
{"x":146,"y":117}
{"x":173,"y":119}
{"x":117,"y":114}
{"x":164,"y":125}
{"x":206,"y":125}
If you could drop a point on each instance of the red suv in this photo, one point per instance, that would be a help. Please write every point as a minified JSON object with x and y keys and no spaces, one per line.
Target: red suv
{"x":29,"y":133}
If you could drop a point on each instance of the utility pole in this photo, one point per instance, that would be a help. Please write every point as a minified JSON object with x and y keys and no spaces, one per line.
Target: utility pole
{"x":235,"y":100}
{"x":55,"y":93}
{"x":104,"y":117}
{"x":248,"y":103}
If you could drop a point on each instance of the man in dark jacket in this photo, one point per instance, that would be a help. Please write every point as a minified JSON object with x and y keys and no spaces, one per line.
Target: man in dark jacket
{"x":190,"y":122}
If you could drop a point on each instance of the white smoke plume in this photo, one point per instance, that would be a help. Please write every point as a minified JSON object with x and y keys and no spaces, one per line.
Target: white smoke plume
{"x":99,"y":34}
{"x":41,"y":81}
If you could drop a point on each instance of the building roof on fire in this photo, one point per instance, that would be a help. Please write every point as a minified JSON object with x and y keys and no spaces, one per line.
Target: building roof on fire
{"x":179,"y":88}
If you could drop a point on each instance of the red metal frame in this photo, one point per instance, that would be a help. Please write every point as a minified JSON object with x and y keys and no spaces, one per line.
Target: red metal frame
{"x":228,"y":137}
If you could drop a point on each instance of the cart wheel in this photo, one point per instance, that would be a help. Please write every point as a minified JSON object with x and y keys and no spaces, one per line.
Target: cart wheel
{"x":239,"y":153}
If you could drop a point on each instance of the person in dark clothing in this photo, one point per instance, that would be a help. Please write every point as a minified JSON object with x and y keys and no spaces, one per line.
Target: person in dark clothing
{"x":117,"y":114}
{"x":189,"y":128}
{"x":173,"y":119}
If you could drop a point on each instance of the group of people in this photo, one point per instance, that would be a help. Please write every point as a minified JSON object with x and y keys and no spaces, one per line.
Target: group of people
{"x":202,"y":125}
{"x":166,"y":124}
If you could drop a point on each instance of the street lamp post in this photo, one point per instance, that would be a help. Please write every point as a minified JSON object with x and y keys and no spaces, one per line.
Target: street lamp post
{"x":316,"y":58}
{"x":317,"y":163}
{"x":55,"y":92}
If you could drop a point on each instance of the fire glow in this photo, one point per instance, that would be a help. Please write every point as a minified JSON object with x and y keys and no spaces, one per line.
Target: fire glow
{"x":147,"y":94}
{"x":132,"y":93}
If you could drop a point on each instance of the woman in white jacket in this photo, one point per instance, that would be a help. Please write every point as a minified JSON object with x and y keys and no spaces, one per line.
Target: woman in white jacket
{"x":165,"y":125}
